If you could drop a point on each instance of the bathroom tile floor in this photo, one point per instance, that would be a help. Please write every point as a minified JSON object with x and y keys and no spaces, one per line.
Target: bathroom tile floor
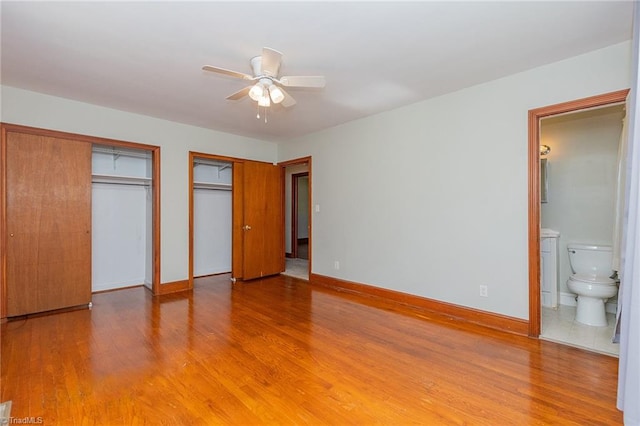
{"x":559,"y":325}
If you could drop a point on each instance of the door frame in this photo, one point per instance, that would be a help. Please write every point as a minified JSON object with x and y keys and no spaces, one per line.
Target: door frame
{"x":535,"y":115}
{"x":284,"y":165}
{"x":155,"y":188}
{"x":294,"y":211}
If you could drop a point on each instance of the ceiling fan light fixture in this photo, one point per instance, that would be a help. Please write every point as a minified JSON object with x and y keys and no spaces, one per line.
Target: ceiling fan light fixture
{"x":257,"y":92}
{"x":267,"y":87}
{"x":276,"y":94}
{"x":264,"y":101}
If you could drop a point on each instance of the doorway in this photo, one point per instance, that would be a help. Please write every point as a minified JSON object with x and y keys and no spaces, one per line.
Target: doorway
{"x":297,"y":207}
{"x":535,"y":117}
{"x":582,"y":162}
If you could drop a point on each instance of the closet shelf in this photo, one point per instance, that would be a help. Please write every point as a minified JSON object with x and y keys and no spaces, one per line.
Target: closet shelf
{"x":121,"y":180}
{"x":212,"y":185}
{"x":117,"y":152}
{"x":210,"y":162}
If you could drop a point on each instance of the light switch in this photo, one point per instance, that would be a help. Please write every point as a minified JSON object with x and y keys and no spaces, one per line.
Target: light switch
{"x":317,"y":208}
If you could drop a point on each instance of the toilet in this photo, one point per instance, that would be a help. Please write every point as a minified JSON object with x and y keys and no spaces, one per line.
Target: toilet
{"x":591,"y":267}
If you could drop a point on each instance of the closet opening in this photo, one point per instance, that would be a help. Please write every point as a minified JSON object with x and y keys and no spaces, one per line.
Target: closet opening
{"x":122,"y":211}
{"x":97,"y":201}
{"x":212,"y":216}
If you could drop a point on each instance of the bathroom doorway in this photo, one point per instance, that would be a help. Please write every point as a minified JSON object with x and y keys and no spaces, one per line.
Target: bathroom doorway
{"x":580,"y":166}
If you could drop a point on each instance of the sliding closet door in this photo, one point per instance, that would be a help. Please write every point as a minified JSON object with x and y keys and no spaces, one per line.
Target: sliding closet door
{"x":48,"y":223}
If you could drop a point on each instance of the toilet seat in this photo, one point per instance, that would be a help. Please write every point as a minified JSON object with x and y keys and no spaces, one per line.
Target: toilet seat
{"x":592,"y":279}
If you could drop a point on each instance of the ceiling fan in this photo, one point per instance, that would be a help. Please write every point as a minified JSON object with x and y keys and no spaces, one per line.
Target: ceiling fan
{"x":268,"y":87}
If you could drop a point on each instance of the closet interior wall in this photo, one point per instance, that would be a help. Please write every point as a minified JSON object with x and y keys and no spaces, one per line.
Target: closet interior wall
{"x":212,"y":216}
{"x":121,"y":218}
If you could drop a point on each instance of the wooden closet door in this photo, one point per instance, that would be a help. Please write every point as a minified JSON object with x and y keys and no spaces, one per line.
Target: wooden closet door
{"x":258,"y":220}
{"x":263,"y":252}
{"x":48,"y":223}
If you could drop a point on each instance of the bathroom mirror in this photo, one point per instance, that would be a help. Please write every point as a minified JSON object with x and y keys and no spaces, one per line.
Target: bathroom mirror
{"x":543,"y":180}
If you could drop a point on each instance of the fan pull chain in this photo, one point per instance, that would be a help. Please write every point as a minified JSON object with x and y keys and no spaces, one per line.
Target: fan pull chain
{"x":264,"y":113}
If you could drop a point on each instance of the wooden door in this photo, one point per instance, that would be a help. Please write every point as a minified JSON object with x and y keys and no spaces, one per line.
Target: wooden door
{"x":258,"y":220}
{"x":48,"y":223}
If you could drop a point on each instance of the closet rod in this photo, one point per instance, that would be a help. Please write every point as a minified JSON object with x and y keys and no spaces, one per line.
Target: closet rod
{"x":211,"y":189}
{"x":212,"y":185}
{"x":146,"y":184}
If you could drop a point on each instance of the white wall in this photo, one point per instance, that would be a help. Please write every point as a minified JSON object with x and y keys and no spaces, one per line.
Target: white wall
{"x":431,"y":199}
{"x":119,"y":236}
{"x":582,"y":172}
{"x":176,"y":140}
{"x":212,"y":231}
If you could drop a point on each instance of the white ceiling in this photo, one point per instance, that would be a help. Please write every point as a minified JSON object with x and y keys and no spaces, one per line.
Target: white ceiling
{"x":146,"y":57}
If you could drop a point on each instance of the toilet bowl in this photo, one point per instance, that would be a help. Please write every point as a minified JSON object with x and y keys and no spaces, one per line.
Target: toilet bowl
{"x":591,"y":267}
{"x":592,"y":296}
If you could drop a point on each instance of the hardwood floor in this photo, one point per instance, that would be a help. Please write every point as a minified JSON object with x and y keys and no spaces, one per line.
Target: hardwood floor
{"x":282,"y":351}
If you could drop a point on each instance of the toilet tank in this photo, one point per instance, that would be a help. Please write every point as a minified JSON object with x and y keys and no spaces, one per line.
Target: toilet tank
{"x":590,"y":259}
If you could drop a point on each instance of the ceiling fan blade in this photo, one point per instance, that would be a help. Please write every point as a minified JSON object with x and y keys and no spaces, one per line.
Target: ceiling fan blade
{"x":271,"y":61}
{"x":239,"y":94}
{"x":303,"y":81}
{"x":227,"y":72}
{"x":288,"y":99}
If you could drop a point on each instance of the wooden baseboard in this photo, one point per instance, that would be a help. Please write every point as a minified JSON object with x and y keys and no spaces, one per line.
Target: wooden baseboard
{"x":173,"y":287}
{"x":487,"y":319}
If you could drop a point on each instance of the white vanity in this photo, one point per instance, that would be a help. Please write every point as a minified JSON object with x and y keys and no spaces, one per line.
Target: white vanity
{"x":549,"y":267}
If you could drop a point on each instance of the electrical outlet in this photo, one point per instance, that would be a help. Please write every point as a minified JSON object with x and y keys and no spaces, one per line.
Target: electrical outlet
{"x":484,"y":291}
{"x":336,"y":265}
